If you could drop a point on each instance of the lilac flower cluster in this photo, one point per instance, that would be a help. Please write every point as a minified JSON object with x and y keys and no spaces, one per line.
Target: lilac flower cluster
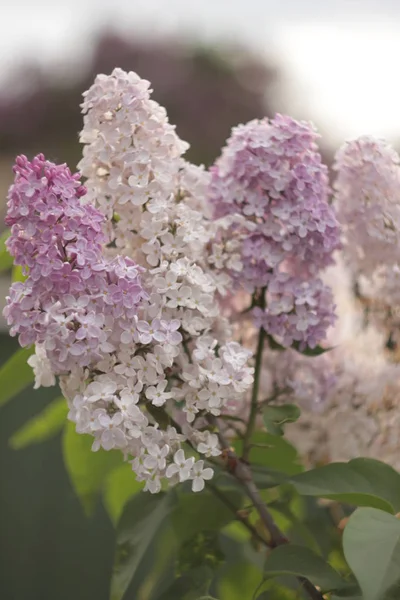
{"x":129,"y":342}
{"x":275,"y":227}
{"x":296,"y":311}
{"x":368,"y":197}
{"x":73,"y":302}
{"x":367,"y":193}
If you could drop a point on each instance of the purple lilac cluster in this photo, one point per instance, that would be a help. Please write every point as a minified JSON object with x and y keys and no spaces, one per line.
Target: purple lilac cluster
{"x":296,"y":311}
{"x":74,"y":301}
{"x":270,"y":192}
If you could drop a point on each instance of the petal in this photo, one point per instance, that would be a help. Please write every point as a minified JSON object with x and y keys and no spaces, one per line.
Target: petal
{"x":175,"y":338}
{"x":126,"y":337}
{"x":174,"y":324}
{"x":171,"y":470}
{"x":143,"y":326}
{"x":159,"y":336}
{"x":207,"y":473}
{"x":184,"y":474}
{"x":198,"y":484}
{"x":104,"y":420}
{"x":179,"y":456}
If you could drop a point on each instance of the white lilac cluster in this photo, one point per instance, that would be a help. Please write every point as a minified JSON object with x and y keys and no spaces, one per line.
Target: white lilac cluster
{"x":171,"y":362}
{"x":276,"y":229}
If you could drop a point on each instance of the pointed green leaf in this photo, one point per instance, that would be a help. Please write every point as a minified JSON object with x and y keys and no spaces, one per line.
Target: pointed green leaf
{"x":143,"y":521}
{"x":265,"y":478}
{"x":362,"y":482}
{"x":275,"y":417}
{"x":43,"y":426}
{"x":272,"y":452}
{"x":87,"y":470}
{"x":300,"y":561}
{"x":120,"y":485}
{"x":15,"y":374}
{"x":212,"y":514}
{"x":371,"y":543}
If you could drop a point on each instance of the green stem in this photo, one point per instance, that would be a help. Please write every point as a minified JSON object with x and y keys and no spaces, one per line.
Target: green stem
{"x":221,"y":496}
{"x":254,"y":395}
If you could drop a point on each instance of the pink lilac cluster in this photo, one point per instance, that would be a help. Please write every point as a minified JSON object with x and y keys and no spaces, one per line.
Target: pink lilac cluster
{"x":275,"y":227}
{"x":368,"y":197}
{"x":73,"y":302}
{"x":129,"y":342}
{"x":306,"y":381}
{"x":367,"y":194}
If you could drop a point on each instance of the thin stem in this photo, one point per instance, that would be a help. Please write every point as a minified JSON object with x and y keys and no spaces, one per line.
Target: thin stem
{"x":236,"y":512}
{"x":223,"y":498}
{"x":254,"y":395}
{"x":242,"y":472}
{"x":274,"y":396}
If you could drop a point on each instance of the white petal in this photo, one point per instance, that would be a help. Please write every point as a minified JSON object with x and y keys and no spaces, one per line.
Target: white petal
{"x":207,"y":473}
{"x":179,"y":456}
{"x":198,"y":484}
{"x":171,"y":471}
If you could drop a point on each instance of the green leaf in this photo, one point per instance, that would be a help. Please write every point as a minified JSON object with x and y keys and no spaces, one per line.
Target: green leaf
{"x":273,"y":344}
{"x":371,"y":543}
{"x":276,"y":416}
{"x":296,"y":523}
{"x":362,"y":482}
{"x":317,"y":351}
{"x":15,"y":374}
{"x":6,"y":260}
{"x":211,"y":514}
{"x":290,"y":559}
{"x":143,"y":521}
{"x":43,"y":426}
{"x":188,"y":587}
{"x":273,"y":452}
{"x":87,"y":470}
{"x":238,"y":580}
{"x":346,"y":597}
{"x":274,"y":591}
{"x":119,"y":486}
{"x":265,"y":478}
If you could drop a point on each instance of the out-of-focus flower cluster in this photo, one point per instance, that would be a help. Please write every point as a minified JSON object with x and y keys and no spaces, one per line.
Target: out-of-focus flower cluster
{"x":367,"y":194}
{"x":277,"y":230}
{"x":120,"y":299}
{"x":360,"y":415}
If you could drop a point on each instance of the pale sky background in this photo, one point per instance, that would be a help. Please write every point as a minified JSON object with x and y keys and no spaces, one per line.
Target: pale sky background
{"x":340,"y":58}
